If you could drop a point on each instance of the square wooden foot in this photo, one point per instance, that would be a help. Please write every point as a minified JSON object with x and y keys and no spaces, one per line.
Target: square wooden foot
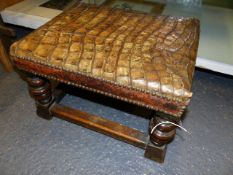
{"x":156,"y":153}
{"x":43,"y":111}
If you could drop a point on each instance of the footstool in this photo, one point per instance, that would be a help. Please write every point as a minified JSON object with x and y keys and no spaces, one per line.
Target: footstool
{"x":135,"y":57}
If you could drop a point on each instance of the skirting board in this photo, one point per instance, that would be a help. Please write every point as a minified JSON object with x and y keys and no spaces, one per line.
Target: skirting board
{"x":214,"y":66}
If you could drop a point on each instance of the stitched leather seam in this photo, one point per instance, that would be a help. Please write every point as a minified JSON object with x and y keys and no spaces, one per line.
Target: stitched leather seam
{"x":185,"y":100}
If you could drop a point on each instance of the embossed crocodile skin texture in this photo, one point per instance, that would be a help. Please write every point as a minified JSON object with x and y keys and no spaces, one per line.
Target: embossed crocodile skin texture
{"x":155,"y":54}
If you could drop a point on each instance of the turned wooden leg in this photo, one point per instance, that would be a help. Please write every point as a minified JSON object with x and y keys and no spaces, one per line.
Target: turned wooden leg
{"x":159,"y":138}
{"x":164,"y":133}
{"x":4,"y":58}
{"x":6,"y":35}
{"x":40,"y":90}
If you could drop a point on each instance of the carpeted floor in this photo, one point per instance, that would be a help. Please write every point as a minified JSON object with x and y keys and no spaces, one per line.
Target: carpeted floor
{"x":31,"y":145}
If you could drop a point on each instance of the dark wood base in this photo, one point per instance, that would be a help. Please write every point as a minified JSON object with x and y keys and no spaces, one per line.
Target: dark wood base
{"x":112,"y":129}
{"x":156,"y":153}
{"x":101,"y":125}
{"x":47,"y":103}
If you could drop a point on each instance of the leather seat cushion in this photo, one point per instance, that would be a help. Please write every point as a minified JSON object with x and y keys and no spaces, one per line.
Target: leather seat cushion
{"x":151,"y":54}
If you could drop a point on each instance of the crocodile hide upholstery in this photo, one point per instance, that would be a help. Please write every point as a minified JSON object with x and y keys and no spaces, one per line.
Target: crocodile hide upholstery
{"x":151,"y":54}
